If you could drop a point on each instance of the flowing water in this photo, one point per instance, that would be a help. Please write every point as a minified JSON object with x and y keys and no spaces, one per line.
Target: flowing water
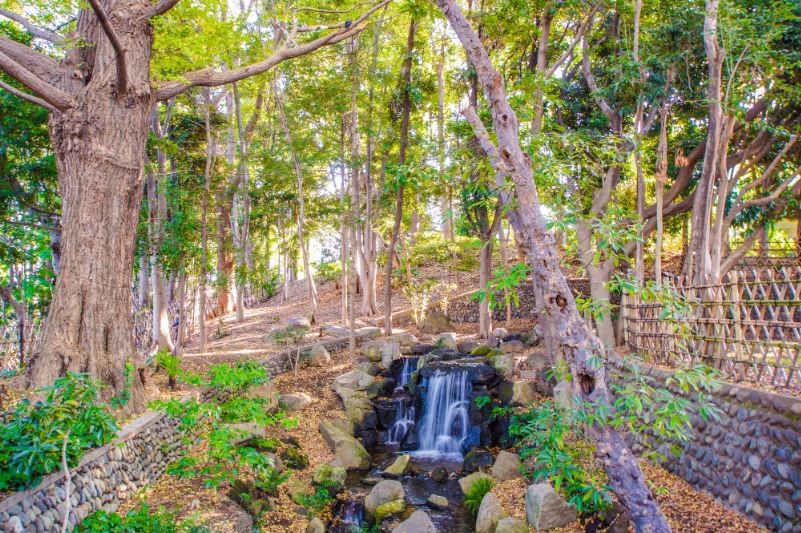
{"x":445,"y":421}
{"x":404,"y":419}
{"x":409,"y":367}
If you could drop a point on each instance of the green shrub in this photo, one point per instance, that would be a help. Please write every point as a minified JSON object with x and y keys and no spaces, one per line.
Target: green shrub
{"x":31,"y":438}
{"x":319,"y":501}
{"x":139,"y":521}
{"x":270,"y":480}
{"x":480,"y":488}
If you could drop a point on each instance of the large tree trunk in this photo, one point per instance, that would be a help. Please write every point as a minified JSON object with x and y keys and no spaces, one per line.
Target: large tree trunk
{"x":99,"y":144}
{"x":581,"y":347}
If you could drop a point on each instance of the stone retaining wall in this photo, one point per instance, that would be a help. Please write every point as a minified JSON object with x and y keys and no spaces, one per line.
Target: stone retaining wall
{"x":103,"y":479}
{"x":749,"y":459}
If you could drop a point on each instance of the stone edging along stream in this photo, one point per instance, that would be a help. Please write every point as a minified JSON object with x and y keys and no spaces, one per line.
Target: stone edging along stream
{"x":108,"y":475}
{"x":749,"y":459}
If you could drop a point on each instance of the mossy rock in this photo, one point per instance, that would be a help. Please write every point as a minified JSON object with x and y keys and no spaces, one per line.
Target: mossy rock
{"x":295,"y":459}
{"x":330,"y":477}
{"x":391,"y":508}
{"x":481,"y":351}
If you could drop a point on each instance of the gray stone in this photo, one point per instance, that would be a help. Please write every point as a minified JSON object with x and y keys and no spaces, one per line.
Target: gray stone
{"x":435,"y":322}
{"x":440,"y":474}
{"x":511,"y":525}
{"x":504,"y":365}
{"x":537,"y":361}
{"x":399,"y":468}
{"x":350,"y":454}
{"x":315,"y":526}
{"x":370,"y":331}
{"x":500,"y":332}
{"x":466,"y":345}
{"x":512,"y":347}
{"x":318,"y":356}
{"x":14,"y":525}
{"x":299,"y":322}
{"x":372,"y":350}
{"x":506,"y":467}
{"x":563,"y":395}
{"x":466,"y":482}
{"x":243,"y":522}
{"x":296,"y":489}
{"x":354,"y":380}
{"x":295,"y":402}
{"x":383,"y":492}
{"x":244,"y":432}
{"x":336,"y":330}
{"x":489,"y":514}
{"x":517,"y":393}
{"x":419,"y":522}
{"x":278,"y":465}
{"x":404,"y":339}
{"x":435,"y":501}
{"x":332,"y":477}
{"x":369,"y":368}
{"x":360,"y":411}
{"x":446,"y":340}
{"x":786,"y":509}
{"x":390,"y":352}
{"x":390,"y":508}
{"x":545,"y":509}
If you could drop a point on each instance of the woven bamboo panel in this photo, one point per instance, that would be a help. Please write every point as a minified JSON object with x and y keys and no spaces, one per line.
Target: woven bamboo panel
{"x":749,"y":326}
{"x":10,"y":344}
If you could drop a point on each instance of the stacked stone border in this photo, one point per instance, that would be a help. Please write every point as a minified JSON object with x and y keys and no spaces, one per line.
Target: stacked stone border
{"x":749,"y":459}
{"x":103,"y":479}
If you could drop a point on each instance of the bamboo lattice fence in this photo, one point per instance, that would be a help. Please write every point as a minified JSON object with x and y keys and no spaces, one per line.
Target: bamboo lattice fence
{"x":748,"y":326}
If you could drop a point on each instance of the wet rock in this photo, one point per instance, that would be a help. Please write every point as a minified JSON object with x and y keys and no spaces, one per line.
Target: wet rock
{"x":295,"y":402}
{"x":511,"y":525}
{"x":318,"y":356}
{"x":439,"y":474}
{"x":369,"y":438}
{"x":390,"y":352}
{"x":354,"y":380}
{"x":315,"y":526}
{"x":397,"y":469}
{"x":477,"y":460}
{"x":330,"y":477}
{"x":506,"y":467}
{"x":480,"y":374}
{"x":389,"y":508}
{"x":435,"y":322}
{"x":480,"y":406}
{"x":372,"y":350}
{"x":376,"y":389}
{"x":511,"y":347}
{"x":545,"y":509}
{"x":563,"y":394}
{"x":350,"y":454}
{"x":384,"y":492}
{"x":295,"y":459}
{"x":419,"y":522}
{"x":411,"y":441}
{"x":466,"y":482}
{"x":296,"y":489}
{"x":435,"y":501}
{"x":504,"y":365}
{"x":404,"y":339}
{"x":489,"y":514}
{"x":422,"y":349}
{"x":299,"y":322}
{"x":386,"y":410}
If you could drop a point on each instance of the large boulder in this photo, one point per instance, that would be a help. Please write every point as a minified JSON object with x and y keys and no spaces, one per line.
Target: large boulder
{"x":389,"y":508}
{"x":360,"y":411}
{"x":299,"y":322}
{"x":490,"y":512}
{"x":353,"y":380}
{"x":514,"y":346}
{"x":511,"y":525}
{"x":422,"y":349}
{"x":347,"y":427}
{"x":419,"y":522}
{"x":506,"y":467}
{"x":546,"y":381}
{"x":435,"y":501}
{"x":517,"y":393}
{"x":504,"y":365}
{"x":534,"y":336}
{"x":399,"y":468}
{"x":350,"y":454}
{"x":500,"y":332}
{"x":336,"y":330}
{"x":330,"y":477}
{"x":369,"y":368}
{"x":466,"y":345}
{"x":318,"y":356}
{"x":404,"y":339}
{"x":537,"y":361}
{"x":369,"y":331}
{"x":383,"y":492}
{"x":267,"y":392}
{"x":296,"y":489}
{"x":466,"y":482}
{"x":372,"y":350}
{"x":563,"y":394}
{"x":244,"y":432}
{"x":477,"y":461}
{"x":315,"y":526}
{"x":389,"y":353}
{"x":545,"y":509}
{"x":446,"y":340}
{"x":295,"y":402}
{"x":435,"y":322}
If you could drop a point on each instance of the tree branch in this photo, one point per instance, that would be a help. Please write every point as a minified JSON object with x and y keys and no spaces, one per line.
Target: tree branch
{"x":32,"y":28}
{"x":208,"y":78}
{"x":119,"y":51}
{"x":55,"y":97}
{"x":29,"y":97}
{"x":37,"y":63}
{"x":590,"y":79}
{"x":159,"y":8}
{"x":30,"y":225}
{"x":579,"y":35}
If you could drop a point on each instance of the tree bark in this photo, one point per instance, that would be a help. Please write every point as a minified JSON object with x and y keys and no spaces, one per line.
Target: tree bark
{"x":407,"y":106}
{"x":144,"y":282}
{"x":582,"y":348}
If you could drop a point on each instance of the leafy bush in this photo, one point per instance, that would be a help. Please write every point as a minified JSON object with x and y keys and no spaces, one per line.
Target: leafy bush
{"x":31,"y":438}
{"x":170,"y":364}
{"x":270,"y":480}
{"x":475,"y":494}
{"x":328,"y":271}
{"x":215,"y":422}
{"x":139,"y":521}
{"x":319,"y":501}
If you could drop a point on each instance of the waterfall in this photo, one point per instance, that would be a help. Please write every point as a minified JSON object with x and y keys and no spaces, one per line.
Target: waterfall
{"x":404,"y":419}
{"x":445,"y":420}
{"x":409,"y":367}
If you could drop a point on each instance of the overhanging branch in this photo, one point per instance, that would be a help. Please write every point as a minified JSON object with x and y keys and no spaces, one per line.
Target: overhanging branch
{"x":55,"y":97}
{"x":34,"y":30}
{"x":119,"y":51}
{"x":29,"y":97}
{"x":159,"y":8}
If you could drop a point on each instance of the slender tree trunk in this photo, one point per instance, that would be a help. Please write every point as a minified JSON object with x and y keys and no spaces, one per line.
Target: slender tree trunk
{"x":407,"y":105}
{"x":211,"y":157}
{"x":485,"y":275}
{"x":161,"y":320}
{"x":179,"y":342}
{"x":144,"y":282}
{"x":581,"y":347}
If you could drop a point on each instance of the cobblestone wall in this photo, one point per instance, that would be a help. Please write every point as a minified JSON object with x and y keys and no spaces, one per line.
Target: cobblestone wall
{"x":749,"y":459}
{"x":103,"y":479}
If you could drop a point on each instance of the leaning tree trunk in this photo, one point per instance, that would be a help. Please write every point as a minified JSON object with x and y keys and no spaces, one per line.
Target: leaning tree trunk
{"x":582,"y":349}
{"x":99,"y":143}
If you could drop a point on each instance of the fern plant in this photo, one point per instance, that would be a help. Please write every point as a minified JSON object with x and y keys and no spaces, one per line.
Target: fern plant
{"x":480,"y":488}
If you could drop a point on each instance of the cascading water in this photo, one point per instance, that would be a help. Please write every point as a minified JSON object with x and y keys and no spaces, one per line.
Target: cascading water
{"x":445,"y":422}
{"x":409,"y":367}
{"x":404,"y":419}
